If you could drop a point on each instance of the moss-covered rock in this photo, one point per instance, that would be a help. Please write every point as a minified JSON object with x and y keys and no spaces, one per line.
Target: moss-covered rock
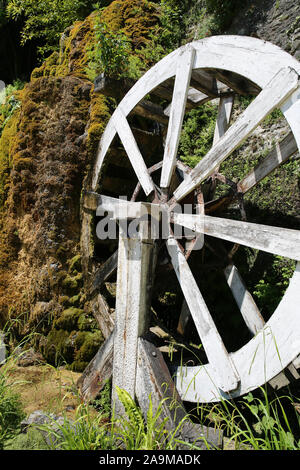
{"x":87,"y":345}
{"x":58,"y":348}
{"x":68,"y":319}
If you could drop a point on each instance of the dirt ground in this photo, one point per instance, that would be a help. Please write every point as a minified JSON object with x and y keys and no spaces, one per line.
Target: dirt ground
{"x":45,"y":388}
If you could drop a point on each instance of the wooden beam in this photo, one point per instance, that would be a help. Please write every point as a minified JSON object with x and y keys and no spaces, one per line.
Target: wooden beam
{"x":222,"y":124}
{"x":98,"y":372}
{"x":103,"y":273}
{"x":273,"y":95}
{"x":201,"y":80}
{"x":237,"y":83}
{"x":153,"y":378}
{"x":244,"y":300}
{"x":102,"y":314}
{"x":182,"y":81}
{"x":152,"y":111}
{"x":223,"y":118}
{"x":278,"y":155}
{"x":125,"y":133}
{"x":224,"y":373}
{"x":119,"y":208}
{"x":134,"y":279}
{"x":276,"y":240}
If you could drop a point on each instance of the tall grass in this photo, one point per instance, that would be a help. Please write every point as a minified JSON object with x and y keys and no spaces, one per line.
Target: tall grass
{"x":130,"y":431}
{"x":257,"y":422}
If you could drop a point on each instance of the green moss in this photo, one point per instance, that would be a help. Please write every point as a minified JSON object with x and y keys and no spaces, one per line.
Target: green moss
{"x":58,"y":348}
{"x":75,"y":300}
{"x":75,"y":264}
{"x":7,"y":148}
{"x":136,"y":18}
{"x":89,"y":347}
{"x":68,"y":319}
{"x":87,"y":323}
{"x":71,"y":285}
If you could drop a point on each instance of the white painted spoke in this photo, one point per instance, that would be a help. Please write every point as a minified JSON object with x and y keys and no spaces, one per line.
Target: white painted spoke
{"x":272,"y":349}
{"x":244,"y":300}
{"x":276,"y":240}
{"x":181,"y":88}
{"x":123,"y":129}
{"x":283,"y":84}
{"x":225,"y":375}
{"x":279,"y":154}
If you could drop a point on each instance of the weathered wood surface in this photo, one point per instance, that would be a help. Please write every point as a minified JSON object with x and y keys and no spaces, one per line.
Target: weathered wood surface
{"x":285,"y":82}
{"x":134,"y":281}
{"x":98,"y":372}
{"x":272,"y":349}
{"x":119,"y":208}
{"x":275,"y":240}
{"x":102,"y":314}
{"x":278,"y":155}
{"x":153,"y":377}
{"x":152,"y":111}
{"x":223,"y":118}
{"x":103,"y":273}
{"x":244,"y":300}
{"x":223,"y":369}
{"x":182,"y":81}
{"x":237,"y":83}
{"x":203,"y":81}
{"x":125,"y":133}
{"x":222,"y":124}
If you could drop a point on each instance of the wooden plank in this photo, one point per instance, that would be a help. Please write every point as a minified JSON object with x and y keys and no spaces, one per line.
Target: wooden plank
{"x":222,"y":124}
{"x":278,"y":90}
{"x":153,"y":377}
{"x":296,"y":362}
{"x":125,"y":133}
{"x":119,"y":208}
{"x":224,"y":373}
{"x":276,"y":240}
{"x":98,"y":372}
{"x":206,"y":83}
{"x":244,"y":300}
{"x":183,"y":75}
{"x":279,"y":154}
{"x":270,"y":351}
{"x":132,"y":307}
{"x":102,"y":314}
{"x":102,"y":274}
{"x":152,"y":111}
{"x":223,"y":118}
{"x":237,"y":83}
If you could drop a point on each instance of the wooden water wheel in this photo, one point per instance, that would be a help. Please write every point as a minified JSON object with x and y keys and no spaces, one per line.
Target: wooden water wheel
{"x":132,"y":162}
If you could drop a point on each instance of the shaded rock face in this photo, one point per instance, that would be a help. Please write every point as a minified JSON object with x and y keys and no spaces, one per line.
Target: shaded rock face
{"x":275,"y":21}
